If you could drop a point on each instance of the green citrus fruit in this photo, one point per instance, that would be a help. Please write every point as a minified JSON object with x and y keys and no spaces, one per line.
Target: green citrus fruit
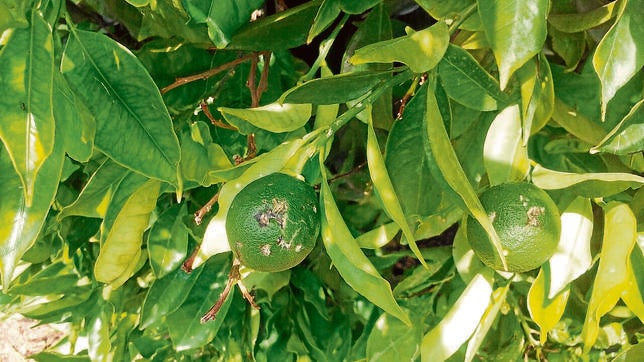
{"x":526,"y":221}
{"x":273,"y":223}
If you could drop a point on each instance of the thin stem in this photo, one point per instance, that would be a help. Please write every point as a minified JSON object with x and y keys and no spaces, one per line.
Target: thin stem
{"x":325,"y":47}
{"x":220,"y":124}
{"x":205,"y":209}
{"x":460,"y":18}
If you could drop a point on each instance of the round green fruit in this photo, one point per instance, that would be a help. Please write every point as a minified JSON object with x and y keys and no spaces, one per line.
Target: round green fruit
{"x":527,"y":222}
{"x":273,"y":223}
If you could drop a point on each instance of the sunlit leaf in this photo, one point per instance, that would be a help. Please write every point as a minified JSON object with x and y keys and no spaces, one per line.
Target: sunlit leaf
{"x":632,"y":294}
{"x":572,"y":257}
{"x":379,"y":236}
{"x":119,"y":92}
{"x":168,"y":241}
{"x":487,"y":320}
{"x":327,"y":13}
{"x":121,"y":247}
{"x":537,"y":94}
{"x":274,"y":117}
{"x":350,"y":261}
{"x":393,"y":340}
{"x":585,"y":184}
{"x":467,"y":82}
{"x":77,"y":124}
{"x":620,"y":235}
{"x":421,"y":50}
{"x":577,"y":124}
{"x":516,"y":31}
{"x":504,"y":153}
{"x":460,"y":322}
{"x":546,"y":311}
{"x":628,"y":136}
{"x":620,"y":54}
{"x":27,"y":83}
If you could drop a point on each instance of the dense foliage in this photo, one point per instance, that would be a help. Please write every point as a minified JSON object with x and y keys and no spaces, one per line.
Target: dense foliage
{"x":128,"y":127}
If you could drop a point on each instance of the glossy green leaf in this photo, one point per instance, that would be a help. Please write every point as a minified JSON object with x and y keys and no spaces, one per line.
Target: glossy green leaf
{"x":537,"y":94}
{"x":121,"y":248}
{"x":505,"y":154}
{"x":119,"y":92}
{"x":202,"y":160}
{"x":546,"y":311}
{"x":283,"y":30}
{"x":516,"y":31}
{"x":385,"y":190}
{"x":578,"y":22}
{"x":585,"y":184}
{"x":450,"y":170}
{"x":350,"y":261}
{"x":269,"y":282}
{"x":166,"y":296}
{"x":569,"y":46}
{"x":462,"y":319}
{"x":421,"y":50}
{"x":467,"y":82}
{"x":487,"y":320}
{"x":24,"y":222}
{"x":335,"y":89}
{"x":378,"y":237}
{"x":27,"y":82}
{"x":577,"y":124}
{"x":632,"y":294}
{"x":215,"y":240}
{"x":628,"y":136}
{"x":423,"y":278}
{"x":620,"y":235}
{"x":168,"y":241}
{"x":572,"y":257}
{"x":223,"y":18}
{"x":99,"y":331}
{"x":620,"y":54}
{"x":393,"y":340}
{"x":274,"y":117}
{"x":327,"y":13}
{"x":184,"y":324}
{"x":408,"y":169}
{"x":77,"y":124}
{"x":13,"y":14}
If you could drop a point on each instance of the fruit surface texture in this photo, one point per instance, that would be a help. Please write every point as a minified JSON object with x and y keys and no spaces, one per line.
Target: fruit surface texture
{"x":527,"y":222}
{"x":273,"y":223}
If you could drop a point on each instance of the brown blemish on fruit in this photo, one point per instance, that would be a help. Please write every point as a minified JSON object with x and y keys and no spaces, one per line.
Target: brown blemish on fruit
{"x":262,"y":219}
{"x":276,"y":211}
{"x":283,"y":243}
{"x":533,"y":215}
{"x":265,"y":249}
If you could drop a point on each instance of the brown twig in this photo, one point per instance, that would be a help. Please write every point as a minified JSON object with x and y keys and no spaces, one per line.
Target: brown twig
{"x":207,"y":74}
{"x":233,"y":278}
{"x":216,"y":123}
{"x":199,"y":214}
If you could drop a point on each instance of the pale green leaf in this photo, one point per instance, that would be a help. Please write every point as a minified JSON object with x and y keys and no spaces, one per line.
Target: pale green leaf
{"x":168,"y":241}
{"x":537,"y":95}
{"x":393,"y":340}
{"x":121,"y":249}
{"x":505,"y":154}
{"x":467,"y":82}
{"x":516,"y":31}
{"x":572,"y":257}
{"x":620,"y":54}
{"x":628,"y":136}
{"x":546,"y":311}
{"x":421,"y":50}
{"x":121,"y":95}
{"x":620,"y":235}
{"x":274,"y":117}
{"x":585,"y":184}
{"x":578,"y":22}
{"x":487,"y":320}
{"x":460,"y":321}
{"x":354,"y":267}
{"x":576,"y":123}
{"x":27,"y":82}
{"x":378,"y":237}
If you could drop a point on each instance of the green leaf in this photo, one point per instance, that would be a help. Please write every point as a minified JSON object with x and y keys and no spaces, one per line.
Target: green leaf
{"x":620,"y":235}
{"x":378,"y":237}
{"x":632,"y":294}
{"x":77,"y":124}
{"x":449,"y":169}
{"x":516,"y":31}
{"x":585,"y":184}
{"x":487,"y":320}
{"x":578,"y":22}
{"x":357,"y":6}
{"x":577,"y":124}
{"x":537,"y":94}
{"x":421,"y":50}
{"x":572,"y":257}
{"x":13,"y":14}
{"x":168,"y":241}
{"x":327,"y":13}
{"x":335,"y":89}
{"x":628,"y":136}
{"x":569,"y":46}
{"x":121,"y":248}
{"x":27,"y":82}
{"x":393,"y":340}
{"x":98,"y":331}
{"x":467,"y":82}
{"x":505,"y":154}
{"x":223,"y":18}
{"x":120,"y":94}
{"x":422,"y":278}
{"x":283,"y":30}
{"x":24,"y":222}
{"x":384,"y":188}
{"x":462,"y":319}
{"x":620,"y":54}
{"x":350,"y":261}
{"x":546,"y":311}
{"x":202,"y":160}
{"x":274,"y":117}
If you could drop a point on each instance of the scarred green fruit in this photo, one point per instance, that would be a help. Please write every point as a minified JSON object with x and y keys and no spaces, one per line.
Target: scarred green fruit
{"x":273,"y":223}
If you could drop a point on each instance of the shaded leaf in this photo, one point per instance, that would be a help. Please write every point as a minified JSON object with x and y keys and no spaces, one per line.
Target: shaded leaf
{"x":577,"y":124}
{"x":350,"y":261}
{"x":327,"y":13}
{"x":620,"y":54}
{"x":537,"y":95}
{"x":467,"y":82}
{"x":274,"y":117}
{"x":27,"y":80}
{"x":421,"y":50}
{"x":357,"y":6}
{"x":119,"y":92}
{"x":168,"y":241}
{"x":515,"y":30}
{"x":578,"y":22}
